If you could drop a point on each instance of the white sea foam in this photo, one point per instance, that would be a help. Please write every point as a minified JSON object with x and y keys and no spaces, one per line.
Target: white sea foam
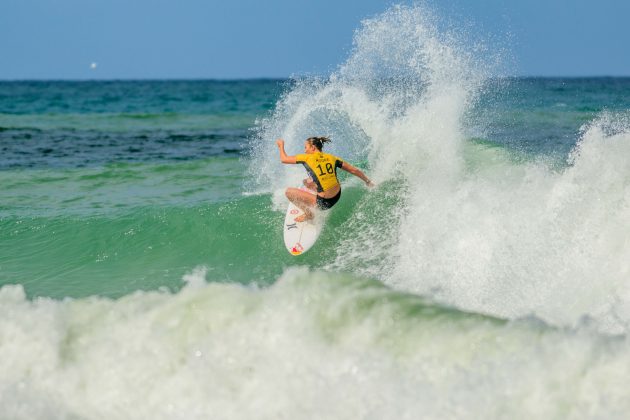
{"x":451,"y":221}
{"x":314,"y":345}
{"x":515,"y":240}
{"x":494,"y":236}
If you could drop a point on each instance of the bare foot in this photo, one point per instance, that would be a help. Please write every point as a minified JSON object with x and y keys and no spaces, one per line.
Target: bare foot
{"x":303,"y":217}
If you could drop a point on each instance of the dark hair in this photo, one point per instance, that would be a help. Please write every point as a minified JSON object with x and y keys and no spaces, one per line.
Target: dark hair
{"x":318,"y":142}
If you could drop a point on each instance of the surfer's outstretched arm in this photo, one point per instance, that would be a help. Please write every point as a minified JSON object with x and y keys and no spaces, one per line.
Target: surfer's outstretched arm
{"x":284,"y":158}
{"x":357,"y":172}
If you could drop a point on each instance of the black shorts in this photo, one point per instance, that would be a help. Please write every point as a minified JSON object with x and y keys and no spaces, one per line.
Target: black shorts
{"x":326,"y":203}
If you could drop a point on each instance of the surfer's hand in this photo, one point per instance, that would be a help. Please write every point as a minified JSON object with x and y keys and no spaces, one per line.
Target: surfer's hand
{"x":280,"y":143}
{"x":370,"y":184}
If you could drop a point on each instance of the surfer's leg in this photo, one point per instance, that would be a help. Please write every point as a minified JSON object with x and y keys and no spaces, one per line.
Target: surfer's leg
{"x":304,"y":200}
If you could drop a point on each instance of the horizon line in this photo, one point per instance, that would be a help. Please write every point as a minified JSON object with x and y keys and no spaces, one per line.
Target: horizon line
{"x":274,"y":78}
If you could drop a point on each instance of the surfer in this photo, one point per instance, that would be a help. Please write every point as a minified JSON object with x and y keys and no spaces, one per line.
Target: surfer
{"x":322,"y":181}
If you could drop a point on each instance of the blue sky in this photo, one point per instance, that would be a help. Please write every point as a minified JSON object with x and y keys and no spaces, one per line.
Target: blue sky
{"x":138,"y":39}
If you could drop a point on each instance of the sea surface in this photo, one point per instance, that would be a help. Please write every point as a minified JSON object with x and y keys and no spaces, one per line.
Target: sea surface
{"x":487,"y":275}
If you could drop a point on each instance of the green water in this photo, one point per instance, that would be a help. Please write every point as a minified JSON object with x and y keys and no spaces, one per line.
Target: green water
{"x":124,"y":227}
{"x":143,"y":272}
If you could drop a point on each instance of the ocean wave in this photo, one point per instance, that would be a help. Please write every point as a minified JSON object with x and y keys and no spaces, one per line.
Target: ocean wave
{"x":313,"y":345}
{"x":488,"y":231}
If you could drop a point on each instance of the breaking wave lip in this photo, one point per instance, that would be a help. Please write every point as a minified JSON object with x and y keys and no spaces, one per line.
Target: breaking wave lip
{"x":314,"y":344}
{"x":504,"y":239}
{"x":509,"y":238}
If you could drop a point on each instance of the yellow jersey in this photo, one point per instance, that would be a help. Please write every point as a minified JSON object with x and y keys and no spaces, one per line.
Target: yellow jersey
{"x":322,"y":167}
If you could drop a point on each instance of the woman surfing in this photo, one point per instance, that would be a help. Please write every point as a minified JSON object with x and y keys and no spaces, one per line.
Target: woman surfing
{"x":322,"y":181}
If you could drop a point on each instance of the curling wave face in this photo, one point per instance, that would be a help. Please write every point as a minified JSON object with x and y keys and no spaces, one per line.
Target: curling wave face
{"x":487,"y":280}
{"x":462,"y":221}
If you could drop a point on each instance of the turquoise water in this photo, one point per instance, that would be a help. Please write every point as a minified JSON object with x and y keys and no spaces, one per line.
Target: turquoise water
{"x":143,"y":272}
{"x":95,"y":201}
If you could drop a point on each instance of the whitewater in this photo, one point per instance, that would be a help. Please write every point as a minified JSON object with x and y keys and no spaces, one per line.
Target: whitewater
{"x":479,"y":279}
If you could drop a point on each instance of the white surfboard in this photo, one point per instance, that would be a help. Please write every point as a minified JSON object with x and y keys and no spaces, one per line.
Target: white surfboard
{"x":299,"y":237}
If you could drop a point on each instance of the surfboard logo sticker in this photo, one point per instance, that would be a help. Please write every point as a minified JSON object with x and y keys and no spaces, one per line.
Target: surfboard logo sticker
{"x":292,"y":226}
{"x":297,"y":249}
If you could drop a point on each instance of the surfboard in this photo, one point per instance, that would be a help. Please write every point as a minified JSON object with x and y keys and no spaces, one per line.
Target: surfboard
{"x":299,"y":237}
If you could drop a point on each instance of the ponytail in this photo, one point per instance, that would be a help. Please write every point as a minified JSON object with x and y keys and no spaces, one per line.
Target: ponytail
{"x":318,"y":142}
